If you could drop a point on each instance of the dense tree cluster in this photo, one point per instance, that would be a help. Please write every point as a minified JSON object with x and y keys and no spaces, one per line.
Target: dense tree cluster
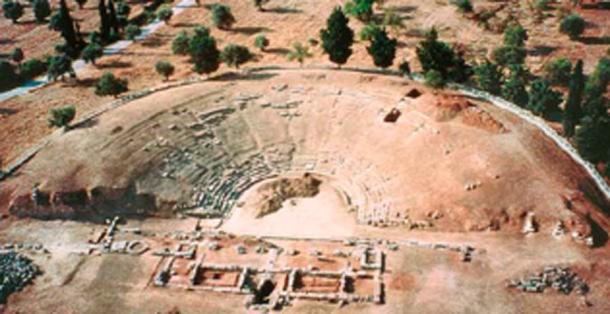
{"x":437,"y":55}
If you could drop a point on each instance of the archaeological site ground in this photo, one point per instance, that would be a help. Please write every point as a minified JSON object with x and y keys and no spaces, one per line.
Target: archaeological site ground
{"x":304,"y":156}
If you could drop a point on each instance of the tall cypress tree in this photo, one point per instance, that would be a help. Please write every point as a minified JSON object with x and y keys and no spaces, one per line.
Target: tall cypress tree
{"x":104,"y":21}
{"x":337,"y":38}
{"x":63,"y":23}
{"x":573,"y":111}
{"x":112,"y":17}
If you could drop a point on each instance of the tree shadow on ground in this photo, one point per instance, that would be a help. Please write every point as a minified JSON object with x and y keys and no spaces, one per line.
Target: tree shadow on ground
{"x":232,"y":76}
{"x":404,"y":9}
{"x":185,"y":24}
{"x":115,"y":64}
{"x":250,"y":30}
{"x":283,"y":10}
{"x":541,"y":50}
{"x":7,"y":111}
{"x":277,"y":51}
{"x":155,"y":41}
{"x":85,"y":125}
{"x":86,"y":82}
{"x":604,"y":40}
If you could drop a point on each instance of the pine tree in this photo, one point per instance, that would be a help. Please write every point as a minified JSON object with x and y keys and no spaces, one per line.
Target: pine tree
{"x":104,"y":20}
{"x":382,"y":49}
{"x":337,"y":37}
{"x":573,"y":111}
{"x":514,"y":89}
{"x":489,"y":77}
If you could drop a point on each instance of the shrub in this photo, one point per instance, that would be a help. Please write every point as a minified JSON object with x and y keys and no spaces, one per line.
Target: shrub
{"x":404,"y":68}
{"x":42,"y":10}
{"x":507,"y":55}
{"x":58,"y":66}
{"x":369,"y":31}
{"x":464,"y":5}
{"x":92,"y":52}
{"x":259,"y":4}
{"x":8,"y":76}
{"x":222,"y":16}
{"x":32,"y":68}
{"x":81,"y":3}
{"x":434,"y":79}
{"x":165,"y":14}
{"x":261,"y":42}
{"x":573,"y":25}
{"x":235,"y":55}
{"x":299,"y":53}
{"x":541,"y":5}
{"x":488,"y":77}
{"x":361,"y":9}
{"x":180,"y":44}
{"x":13,"y":10}
{"x":165,"y":69}
{"x":110,"y":85}
{"x":62,"y":116}
{"x":543,"y":100}
{"x":558,"y":71}
{"x":132,"y":31}
{"x":515,"y":35}
{"x":17,"y":55}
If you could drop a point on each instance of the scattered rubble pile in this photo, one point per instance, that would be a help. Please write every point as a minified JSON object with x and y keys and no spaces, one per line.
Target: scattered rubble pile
{"x":275,"y":193}
{"x":562,"y":279}
{"x":16,"y":271}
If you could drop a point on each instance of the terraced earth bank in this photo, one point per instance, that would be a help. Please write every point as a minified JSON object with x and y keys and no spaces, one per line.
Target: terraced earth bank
{"x":397,"y":153}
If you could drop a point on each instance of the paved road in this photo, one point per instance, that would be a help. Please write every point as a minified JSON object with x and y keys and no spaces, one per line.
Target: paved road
{"x":115,"y":48}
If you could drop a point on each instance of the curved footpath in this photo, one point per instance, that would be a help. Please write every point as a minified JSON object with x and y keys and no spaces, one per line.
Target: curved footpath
{"x":498,"y":102}
{"x":80,"y":64}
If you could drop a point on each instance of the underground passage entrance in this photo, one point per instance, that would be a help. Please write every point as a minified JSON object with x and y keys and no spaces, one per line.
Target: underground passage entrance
{"x":264,"y":291}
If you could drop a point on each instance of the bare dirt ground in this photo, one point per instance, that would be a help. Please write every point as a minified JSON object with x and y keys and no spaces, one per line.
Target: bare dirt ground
{"x":418,"y":280}
{"x":284,"y":22}
{"x":446,"y":166}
